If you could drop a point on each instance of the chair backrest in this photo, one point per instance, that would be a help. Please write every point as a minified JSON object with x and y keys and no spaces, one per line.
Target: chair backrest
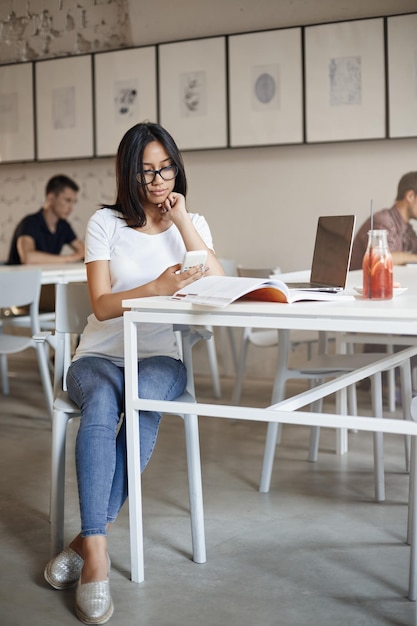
{"x":254,"y":272}
{"x":72,"y":307}
{"x":21,"y":287}
{"x":229,"y":266}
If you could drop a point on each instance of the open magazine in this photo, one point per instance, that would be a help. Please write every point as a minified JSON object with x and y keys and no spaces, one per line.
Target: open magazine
{"x":219,"y":291}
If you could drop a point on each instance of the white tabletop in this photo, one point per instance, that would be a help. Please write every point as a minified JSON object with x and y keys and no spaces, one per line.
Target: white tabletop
{"x":396,"y":316}
{"x":53,"y":273}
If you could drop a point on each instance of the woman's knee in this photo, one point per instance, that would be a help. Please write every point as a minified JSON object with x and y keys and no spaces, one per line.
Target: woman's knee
{"x":161,"y":378}
{"x":95,"y":380}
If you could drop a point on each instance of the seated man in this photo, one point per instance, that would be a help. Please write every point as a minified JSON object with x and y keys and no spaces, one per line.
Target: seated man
{"x":40,"y":237}
{"x":402,"y":238}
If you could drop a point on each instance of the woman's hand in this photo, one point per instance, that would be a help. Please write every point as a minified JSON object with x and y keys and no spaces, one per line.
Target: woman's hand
{"x":173,"y":208}
{"x":172,"y":280}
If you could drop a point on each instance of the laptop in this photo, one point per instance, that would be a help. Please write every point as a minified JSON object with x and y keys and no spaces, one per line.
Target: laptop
{"x":331,"y":257}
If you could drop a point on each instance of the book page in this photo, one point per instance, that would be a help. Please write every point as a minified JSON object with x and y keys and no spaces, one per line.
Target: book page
{"x":220,"y":291}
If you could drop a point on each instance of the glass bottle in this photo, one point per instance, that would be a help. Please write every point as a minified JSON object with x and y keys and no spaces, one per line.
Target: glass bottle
{"x":377,"y":267}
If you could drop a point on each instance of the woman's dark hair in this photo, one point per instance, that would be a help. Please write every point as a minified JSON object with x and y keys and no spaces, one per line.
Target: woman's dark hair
{"x":129,"y":162}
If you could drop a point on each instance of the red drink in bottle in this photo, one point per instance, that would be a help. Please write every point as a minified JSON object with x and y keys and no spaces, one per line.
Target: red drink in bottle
{"x":377,"y":267}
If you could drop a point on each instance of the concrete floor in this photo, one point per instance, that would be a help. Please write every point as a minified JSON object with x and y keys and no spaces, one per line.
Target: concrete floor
{"x":316,"y":550}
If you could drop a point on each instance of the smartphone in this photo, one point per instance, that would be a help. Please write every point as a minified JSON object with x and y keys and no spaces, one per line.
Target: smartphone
{"x":193,"y":258}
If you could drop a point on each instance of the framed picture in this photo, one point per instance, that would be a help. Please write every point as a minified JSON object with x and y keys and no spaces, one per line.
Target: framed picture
{"x":345,"y":81}
{"x":17,"y":136}
{"x":125,"y":94}
{"x":192,"y":90}
{"x":266,"y":88}
{"x":64,"y":108}
{"x":402,"y":75}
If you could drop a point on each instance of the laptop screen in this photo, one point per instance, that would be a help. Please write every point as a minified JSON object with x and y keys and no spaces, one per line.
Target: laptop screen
{"x":332,"y":250}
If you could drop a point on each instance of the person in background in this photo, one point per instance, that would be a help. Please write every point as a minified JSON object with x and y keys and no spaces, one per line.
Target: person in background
{"x":40,"y":237}
{"x":402,"y":242}
{"x":402,"y":238}
{"x":134,"y":249}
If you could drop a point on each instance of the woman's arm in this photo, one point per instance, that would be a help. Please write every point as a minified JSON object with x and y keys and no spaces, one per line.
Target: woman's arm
{"x":107,"y":305}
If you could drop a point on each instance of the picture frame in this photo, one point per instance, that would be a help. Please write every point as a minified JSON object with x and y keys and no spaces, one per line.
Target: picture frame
{"x":192,"y":92}
{"x":345,"y":81}
{"x":266,"y":88}
{"x":17,"y":130}
{"x":402,"y":75}
{"x":125,"y":90}
{"x":64,"y":108}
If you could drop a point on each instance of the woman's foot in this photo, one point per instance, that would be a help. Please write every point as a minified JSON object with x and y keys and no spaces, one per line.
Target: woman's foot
{"x":93,"y":603}
{"x":64,"y":570}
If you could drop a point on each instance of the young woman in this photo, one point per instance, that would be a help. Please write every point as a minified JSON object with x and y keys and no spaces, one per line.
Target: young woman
{"x":133,"y":249}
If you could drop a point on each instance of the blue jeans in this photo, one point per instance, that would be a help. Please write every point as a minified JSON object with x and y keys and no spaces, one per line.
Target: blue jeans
{"x":96,"y":386}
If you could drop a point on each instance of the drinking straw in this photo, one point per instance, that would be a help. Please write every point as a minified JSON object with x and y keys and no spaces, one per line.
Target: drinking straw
{"x":370,"y":253}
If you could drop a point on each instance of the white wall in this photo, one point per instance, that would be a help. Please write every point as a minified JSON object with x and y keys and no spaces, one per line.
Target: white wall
{"x":263,"y":203}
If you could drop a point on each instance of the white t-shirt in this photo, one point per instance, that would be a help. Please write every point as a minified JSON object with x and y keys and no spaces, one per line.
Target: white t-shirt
{"x":135,"y":259}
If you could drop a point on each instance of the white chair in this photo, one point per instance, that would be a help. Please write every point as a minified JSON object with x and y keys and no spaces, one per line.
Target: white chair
{"x":318,"y":369}
{"x":16,"y":290}
{"x":72,"y":309}
{"x":214,"y":366}
{"x":20,"y":318}
{"x":390,"y":342}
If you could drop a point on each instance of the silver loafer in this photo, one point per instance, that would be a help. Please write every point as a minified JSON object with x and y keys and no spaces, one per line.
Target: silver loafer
{"x":64,"y":570}
{"x":93,"y":603}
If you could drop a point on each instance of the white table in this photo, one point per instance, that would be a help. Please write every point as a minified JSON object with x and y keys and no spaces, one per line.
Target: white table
{"x":397,"y":316}
{"x":53,"y":273}
{"x":65,"y":273}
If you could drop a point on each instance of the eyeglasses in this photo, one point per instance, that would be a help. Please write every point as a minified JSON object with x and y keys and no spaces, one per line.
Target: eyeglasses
{"x":148,"y":176}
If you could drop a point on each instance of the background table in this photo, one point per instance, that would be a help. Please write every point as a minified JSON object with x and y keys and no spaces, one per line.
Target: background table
{"x":53,"y":273}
